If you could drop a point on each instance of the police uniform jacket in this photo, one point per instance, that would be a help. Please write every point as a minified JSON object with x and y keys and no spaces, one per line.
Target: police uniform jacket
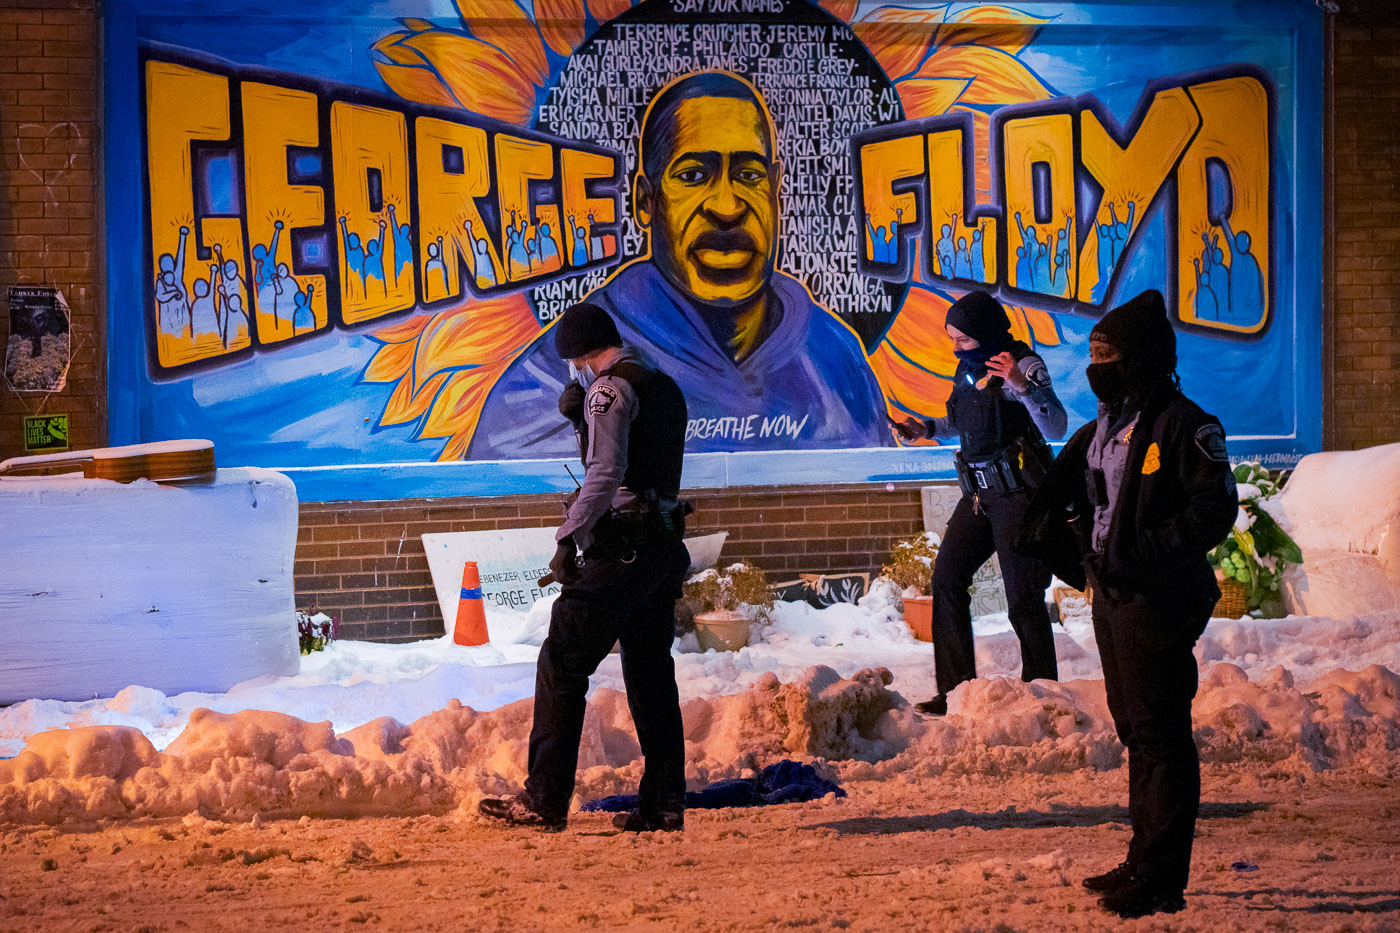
{"x":633,"y":440}
{"x":1177,"y":502}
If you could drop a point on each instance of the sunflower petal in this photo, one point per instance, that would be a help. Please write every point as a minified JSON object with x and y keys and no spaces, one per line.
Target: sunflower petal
{"x":917,"y":332}
{"x":405,"y":405}
{"x":929,"y":97}
{"x":604,"y":10}
{"x":408,"y":75}
{"x":841,"y":9}
{"x":997,"y":79}
{"x":407,"y":329}
{"x":560,"y":23}
{"x":899,"y":37}
{"x":414,"y":24}
{"x":486,"y":333}
{"x":391,"y":361}
{"x":506,"y":25}
{"x":456,"y":410}
{"x":999,"y":27}
{"x":479,"y":76}
{"x":1043,"y":327}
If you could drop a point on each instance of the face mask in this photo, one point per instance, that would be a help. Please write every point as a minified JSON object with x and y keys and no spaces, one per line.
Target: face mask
{"x":1108,"y":380}
{"x":975,"y":357}
{"x":584,"y":377}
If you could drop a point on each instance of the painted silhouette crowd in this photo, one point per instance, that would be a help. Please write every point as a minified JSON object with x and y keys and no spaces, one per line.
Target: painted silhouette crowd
{"x":957,"y":258}
{"x":1227,"y":292}
{"x":211,"y":306}
{"x":527,"y":254}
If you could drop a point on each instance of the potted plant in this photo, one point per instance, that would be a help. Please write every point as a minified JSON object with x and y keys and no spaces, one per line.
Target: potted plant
{"x":911,"y":570}
{"x":1251,"y":561}
{"x":727,"y":604}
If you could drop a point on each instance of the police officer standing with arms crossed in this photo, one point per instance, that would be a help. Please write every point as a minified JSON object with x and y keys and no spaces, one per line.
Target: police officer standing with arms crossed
{"x":1002,"y":408}
{"x":1131,"y":507}
{"x":621,"y":561}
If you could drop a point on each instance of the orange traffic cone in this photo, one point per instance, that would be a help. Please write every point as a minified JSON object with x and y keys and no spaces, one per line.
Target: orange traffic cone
{"x":470,"y":627}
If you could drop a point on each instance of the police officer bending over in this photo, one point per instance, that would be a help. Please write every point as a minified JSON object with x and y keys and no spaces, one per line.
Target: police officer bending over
{"x":621,"y":562}
{"x":1002,"y":407}
{"x":1132,"y":505}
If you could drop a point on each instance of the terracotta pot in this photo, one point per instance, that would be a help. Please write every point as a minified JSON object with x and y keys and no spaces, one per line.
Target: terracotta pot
{"x":722,"y":630}
{"x":918,"y":615}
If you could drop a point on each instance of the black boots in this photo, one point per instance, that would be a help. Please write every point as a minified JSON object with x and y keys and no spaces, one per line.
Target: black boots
{"x":517,"y":811}
{"x":1142,"y":896}
{"x":938,"y":706}
{"x":1110,"y":881}
{"x":666,"y":821}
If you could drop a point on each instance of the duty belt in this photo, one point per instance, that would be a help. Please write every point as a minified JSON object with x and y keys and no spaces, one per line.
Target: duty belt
{"x":1021,"y":465}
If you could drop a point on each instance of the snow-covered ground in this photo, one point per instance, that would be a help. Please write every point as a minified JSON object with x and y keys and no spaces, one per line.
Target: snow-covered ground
{"x":429,"y":727}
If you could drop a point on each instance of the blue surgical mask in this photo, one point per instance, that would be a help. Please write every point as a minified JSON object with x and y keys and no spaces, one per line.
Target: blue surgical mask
{"x":585,"y":376}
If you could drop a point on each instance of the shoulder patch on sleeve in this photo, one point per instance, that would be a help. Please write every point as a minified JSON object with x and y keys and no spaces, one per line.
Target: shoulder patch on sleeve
{"x":1211,"y":439}
{"x":1035,"y":371}
{"x":601,"y":399}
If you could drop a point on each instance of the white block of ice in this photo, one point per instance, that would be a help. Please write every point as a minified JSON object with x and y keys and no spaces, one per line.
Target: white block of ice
{"x":109,"y":584}
{"x":1343,"y":510}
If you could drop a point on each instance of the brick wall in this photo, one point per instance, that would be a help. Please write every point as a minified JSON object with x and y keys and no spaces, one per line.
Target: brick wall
{"x":1364,"y":362}
{"x":363,"y":562}
{"x":48,"y":93}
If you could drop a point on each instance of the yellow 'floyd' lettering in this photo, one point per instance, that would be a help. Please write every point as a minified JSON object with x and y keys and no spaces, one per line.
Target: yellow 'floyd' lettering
{"x":1223,"y":209}
{"x":888,"y":211}
{"x":1130,"y":176}
{"x":1210,"y":137}
{"x":1038,"y":162}
{"x":975,"y":246}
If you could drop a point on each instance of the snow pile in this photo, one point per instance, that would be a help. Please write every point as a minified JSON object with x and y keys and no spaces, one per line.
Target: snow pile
{"x":1343,"y":510}
{"x":235,"y":766}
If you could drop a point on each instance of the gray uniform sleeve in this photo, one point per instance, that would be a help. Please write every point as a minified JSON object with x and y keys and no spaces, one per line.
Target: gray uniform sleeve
{"x":940,"y":428}
{"x":609,"y":411}
{"x":1040,"y":400}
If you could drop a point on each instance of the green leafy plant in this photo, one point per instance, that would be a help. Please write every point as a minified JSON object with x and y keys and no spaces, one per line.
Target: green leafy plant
{"x":911,"y":562}
{"x":741,"y":587}
{"x":1258,"y":550}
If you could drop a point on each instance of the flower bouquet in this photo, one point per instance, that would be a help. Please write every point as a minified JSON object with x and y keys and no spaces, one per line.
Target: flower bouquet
{"x":1252,"y":559}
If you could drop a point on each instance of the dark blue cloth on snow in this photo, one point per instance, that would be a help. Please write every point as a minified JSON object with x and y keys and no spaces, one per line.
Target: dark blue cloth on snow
{"x":786,"y":781}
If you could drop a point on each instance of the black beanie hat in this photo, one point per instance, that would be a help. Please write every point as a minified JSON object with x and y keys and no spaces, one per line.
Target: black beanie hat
{"x":982,"y":318}
{"x":1141,"y":331}
{"x":582,"y":329}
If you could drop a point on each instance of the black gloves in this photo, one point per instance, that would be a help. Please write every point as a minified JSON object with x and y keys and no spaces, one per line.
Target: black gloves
{"x":564,"y":563}
{"x":571,"y":402}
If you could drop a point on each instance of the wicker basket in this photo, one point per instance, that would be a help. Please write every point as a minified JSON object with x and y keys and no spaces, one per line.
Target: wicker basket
{"x":1234,"y":598}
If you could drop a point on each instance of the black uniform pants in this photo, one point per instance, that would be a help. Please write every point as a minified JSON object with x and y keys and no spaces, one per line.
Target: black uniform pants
{"x":612,"y":601}
{"x":971,"y":539}
{"x":1149,"y":674}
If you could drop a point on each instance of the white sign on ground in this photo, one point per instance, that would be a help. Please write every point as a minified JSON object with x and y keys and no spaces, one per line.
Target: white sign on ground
{"x":511,"y":560}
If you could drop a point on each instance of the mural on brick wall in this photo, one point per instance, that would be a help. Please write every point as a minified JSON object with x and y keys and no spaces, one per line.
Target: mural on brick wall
{"x":346,"y":235}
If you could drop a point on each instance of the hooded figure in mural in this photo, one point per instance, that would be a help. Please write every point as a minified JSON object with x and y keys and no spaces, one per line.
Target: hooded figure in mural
{"x":744,"y":341}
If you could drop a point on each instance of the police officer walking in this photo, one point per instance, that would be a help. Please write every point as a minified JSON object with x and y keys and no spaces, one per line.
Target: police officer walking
{"x":1131,"y":507}
{"x":621,"y":561}
{"x":1002,"y":408}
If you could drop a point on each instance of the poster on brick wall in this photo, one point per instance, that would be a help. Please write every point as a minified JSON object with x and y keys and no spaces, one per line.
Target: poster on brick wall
{"x":350,"y":229}
{"x":38,"y":350}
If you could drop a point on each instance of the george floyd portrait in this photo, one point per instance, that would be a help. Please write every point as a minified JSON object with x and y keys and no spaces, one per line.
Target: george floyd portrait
{"x":761,"y":364}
